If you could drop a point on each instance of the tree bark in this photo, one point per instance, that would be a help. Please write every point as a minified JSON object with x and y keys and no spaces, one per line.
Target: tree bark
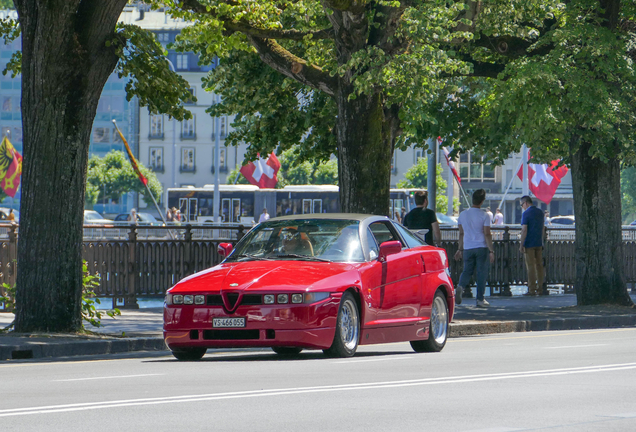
{"x":65,"y":64}
{"x":599,"y":246}
{"x":366,"y":132}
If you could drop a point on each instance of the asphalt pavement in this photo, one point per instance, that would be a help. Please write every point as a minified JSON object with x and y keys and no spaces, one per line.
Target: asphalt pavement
{"x":140,"y":330}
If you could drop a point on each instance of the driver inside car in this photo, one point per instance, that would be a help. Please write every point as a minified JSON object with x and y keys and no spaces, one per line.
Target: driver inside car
{"x":295,"y":243}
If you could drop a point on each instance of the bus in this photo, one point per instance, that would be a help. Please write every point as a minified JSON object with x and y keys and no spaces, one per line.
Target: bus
{"x":241,"y":204}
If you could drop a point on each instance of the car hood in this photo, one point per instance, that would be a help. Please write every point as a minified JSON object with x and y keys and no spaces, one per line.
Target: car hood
{"x":271,"y":275}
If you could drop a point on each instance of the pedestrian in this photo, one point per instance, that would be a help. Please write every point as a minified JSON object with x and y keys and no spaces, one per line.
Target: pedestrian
{"x":498,"y":217}
{"x":475,"y":248}
{"x":396,"y":217}
{"x":11,"y":216}
{"x":264,"y":216}
{"x":403,"y":214}
{"x":531,"y":245}
{"x":546,"y":219}
{"x":423,"y":218}
{"x":169,"y":216}
{"x":490,"y":215}
{"x":132,"y":217}
{"x":177,"y":214}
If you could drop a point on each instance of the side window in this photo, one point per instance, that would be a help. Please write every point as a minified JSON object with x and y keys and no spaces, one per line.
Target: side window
{"x":382,"y":233}
{"x":374,"y":249}
{"x":411,"y":239}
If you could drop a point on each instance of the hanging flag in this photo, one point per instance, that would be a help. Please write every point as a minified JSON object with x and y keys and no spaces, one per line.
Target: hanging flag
{"x":262,"y":172}
{"x":544,"y":179}
{"x":133,"y":161}
{"x":10,"y":168}
{"x":449,"y":162}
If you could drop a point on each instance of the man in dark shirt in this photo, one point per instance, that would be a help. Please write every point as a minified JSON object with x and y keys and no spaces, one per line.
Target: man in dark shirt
{"x":423,"y":218}
{"x":532,"y":228}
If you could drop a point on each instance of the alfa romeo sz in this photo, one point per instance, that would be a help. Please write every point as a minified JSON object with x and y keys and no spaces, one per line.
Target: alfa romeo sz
{"x":321,"y":281}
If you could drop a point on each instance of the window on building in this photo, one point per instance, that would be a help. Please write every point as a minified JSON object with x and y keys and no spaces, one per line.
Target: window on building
{"x":474,"y":168}
{"x":223,"y":126}
{"x":192,"y":91}
{"x":156,"y":126}
{"x":394,"y":163}
{"x":417,"y":155}
{"x":188,"y":129}
{"x":156,"y":159}
{"x":182,"y":62}
{"x":187,"y":159}
{"x":101,"y":135}
{"x":17,"y":134}
{"x":222,"y":159}
{"x":7,"y":105}
{"x":116,"y":137}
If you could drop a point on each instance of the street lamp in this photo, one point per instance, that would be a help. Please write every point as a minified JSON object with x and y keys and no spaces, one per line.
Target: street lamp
{"x":174,"y":144}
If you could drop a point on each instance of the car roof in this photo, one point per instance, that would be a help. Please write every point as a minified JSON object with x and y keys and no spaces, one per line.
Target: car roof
{"x":343,"y":216}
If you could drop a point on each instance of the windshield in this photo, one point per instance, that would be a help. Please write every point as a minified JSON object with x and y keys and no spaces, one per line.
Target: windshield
{"x":302,"y":239}
{"x":92,"y":215}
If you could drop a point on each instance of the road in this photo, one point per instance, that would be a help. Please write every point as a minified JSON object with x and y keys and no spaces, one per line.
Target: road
{"x":557,"y":381}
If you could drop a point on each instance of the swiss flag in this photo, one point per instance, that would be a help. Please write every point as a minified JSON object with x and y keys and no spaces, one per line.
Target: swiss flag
{"x":544,"y":179}
{"x":449,"y":162}
{"x":262,"y":172}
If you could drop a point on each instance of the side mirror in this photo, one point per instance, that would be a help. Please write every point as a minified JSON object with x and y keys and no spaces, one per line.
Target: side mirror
{"x":389,"y":248}
{"x":225,"y":249}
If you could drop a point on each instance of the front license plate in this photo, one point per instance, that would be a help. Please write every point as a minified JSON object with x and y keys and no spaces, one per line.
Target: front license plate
{"x":228,"y":322}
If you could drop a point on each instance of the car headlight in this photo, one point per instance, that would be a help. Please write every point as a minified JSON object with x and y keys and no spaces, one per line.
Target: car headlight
{"x":268,"y":299}
{"x":297,"y":298}
{"x":282,"y":298}
{"x":188,"y":299}
{"x":199,"y":299}
{"x":177,"y":299}
{"x":316,"y":297}
{"x":168,"y":299}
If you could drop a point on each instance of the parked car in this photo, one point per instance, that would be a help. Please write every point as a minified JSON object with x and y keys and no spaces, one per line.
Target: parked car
{"x":445,"y":220}
{"x":4,"y":214}
{"x":562,"y":220}
{"x":142,"y":218}
{"x":319,"y":281}
{"x":91,"y":217}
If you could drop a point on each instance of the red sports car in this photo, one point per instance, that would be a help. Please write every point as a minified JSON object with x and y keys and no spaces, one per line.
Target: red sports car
{"x":319,"y":281}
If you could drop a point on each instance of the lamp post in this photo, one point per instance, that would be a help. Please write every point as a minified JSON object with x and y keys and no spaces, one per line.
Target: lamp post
{"x":217,"y":164}
{"x":174,"y":144}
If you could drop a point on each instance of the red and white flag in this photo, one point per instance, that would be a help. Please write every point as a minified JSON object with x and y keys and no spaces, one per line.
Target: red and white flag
{"x":544,"y":179}
{"x":449,"y":162}
{"x":262,"y":172}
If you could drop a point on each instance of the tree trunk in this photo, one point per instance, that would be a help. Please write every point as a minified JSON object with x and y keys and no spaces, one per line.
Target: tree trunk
{"x":65,"y":64}
{"x":599,"y":245}
{"x":366,"y":133}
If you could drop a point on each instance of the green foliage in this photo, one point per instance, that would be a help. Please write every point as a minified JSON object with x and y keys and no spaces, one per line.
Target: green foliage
{"x":10,"y":31}
{"x":144,"y":61}
{"x":90,"y":314}
{"x":628,"y":193}
{"x":417,"y":177}
{"x":6,"y":4}
{"x":113,"y":175}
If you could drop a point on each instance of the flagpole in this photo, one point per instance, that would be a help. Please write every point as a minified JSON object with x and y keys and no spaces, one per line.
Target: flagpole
{"x":524,"y":159}
{"x":145,"y":184}
{"x":514,"y":173}
{"x":216,"y":203}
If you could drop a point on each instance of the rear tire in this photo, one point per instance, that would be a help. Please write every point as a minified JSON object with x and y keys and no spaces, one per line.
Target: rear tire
{"x":438,"y":329}
{"x":345,"y":341}
{"x":189,"y":354}
{"x":287,"y":351}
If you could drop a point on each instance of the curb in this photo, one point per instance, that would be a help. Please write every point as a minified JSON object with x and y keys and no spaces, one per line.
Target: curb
{"x":32,"y":350}
{"x":464,"y":328}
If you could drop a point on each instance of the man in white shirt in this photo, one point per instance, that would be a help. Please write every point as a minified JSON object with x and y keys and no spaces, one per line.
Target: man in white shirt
{"x":264,"y":216}
{"x":498,"y":218}
{"x":475,"y":248}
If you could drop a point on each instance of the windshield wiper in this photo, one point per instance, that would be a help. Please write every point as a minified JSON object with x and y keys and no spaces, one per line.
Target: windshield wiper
{"x":304,"y":257}
{"x":254,"y":257}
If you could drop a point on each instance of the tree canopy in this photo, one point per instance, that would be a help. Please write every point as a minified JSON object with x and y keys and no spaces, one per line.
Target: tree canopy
{"x":113,"y":175}
{"x":417,"y":177}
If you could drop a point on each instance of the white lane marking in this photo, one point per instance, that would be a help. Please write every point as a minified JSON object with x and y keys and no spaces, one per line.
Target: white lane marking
{"x":575,"y":346}
{"x":303,"y":390}
{"x":106,"y":377}
{"x":372,"y":360}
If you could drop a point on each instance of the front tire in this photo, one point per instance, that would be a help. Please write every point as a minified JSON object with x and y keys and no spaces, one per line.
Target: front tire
{"x":287,"y":351}
{"x":438,"y":329}
{"x":345,"y":341}
{"x":189,"y":354}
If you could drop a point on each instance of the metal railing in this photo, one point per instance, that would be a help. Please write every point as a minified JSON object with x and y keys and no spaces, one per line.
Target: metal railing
{"x":145,"y":261}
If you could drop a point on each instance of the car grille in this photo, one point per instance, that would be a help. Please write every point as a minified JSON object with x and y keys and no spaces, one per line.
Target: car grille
{"x":231,"y":334}
{"x":248,"y":299}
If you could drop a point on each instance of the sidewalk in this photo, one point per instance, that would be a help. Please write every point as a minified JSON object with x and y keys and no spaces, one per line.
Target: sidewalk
{"x":141,"y":329}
